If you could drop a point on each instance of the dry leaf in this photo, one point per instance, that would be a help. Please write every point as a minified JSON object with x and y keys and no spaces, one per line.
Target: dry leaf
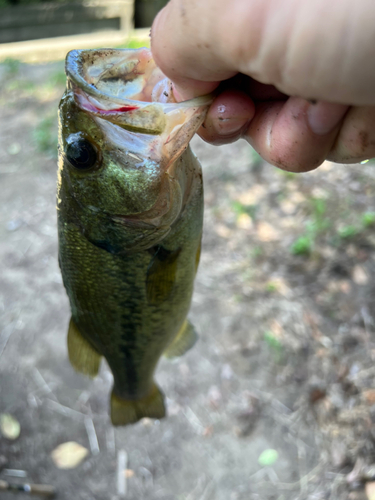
{"x":359,"y":275}
{"x":69,"y":455}
{"x":288,"y":222}
{"x":10,"y":427}
{"x":244,"y":221}
{"x":147,"y":422}
{"x":253,"y":195}
{"x":370,"y":490}
{"x":223,"y":231}
{"x":280,"y":285}
{"x":288,"y":207}
{"x":266,"y":232}
{"x":208,"y":431}
{"x":369,"y":396}
{"x":345,"y":286}
{"x":296,"y":197}
{"x":277,"y":329}
{"x":319,"y":192}
{"x":326,"y":166}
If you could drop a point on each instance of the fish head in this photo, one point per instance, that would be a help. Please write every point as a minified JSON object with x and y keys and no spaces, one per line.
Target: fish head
{"x":120,"y":180}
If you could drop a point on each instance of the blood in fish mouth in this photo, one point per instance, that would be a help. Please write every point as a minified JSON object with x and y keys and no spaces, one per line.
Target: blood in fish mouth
{"x":123,"y":109}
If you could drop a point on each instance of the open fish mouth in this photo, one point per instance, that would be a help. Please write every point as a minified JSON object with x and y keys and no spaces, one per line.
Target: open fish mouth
{"x":132,"y":102}
{"x":125,"y":87}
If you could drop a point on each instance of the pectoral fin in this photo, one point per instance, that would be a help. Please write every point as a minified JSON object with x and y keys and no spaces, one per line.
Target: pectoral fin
{"x":126,"y":411}
{"x":184,"y":340}
{"x":198,"y":256}
{"x":161,"y":274}
{"x":82,"y":356}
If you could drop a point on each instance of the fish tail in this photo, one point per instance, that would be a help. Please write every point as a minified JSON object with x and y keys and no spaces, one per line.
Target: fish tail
{"x":127,"y":411}
{"x":82,"y":356}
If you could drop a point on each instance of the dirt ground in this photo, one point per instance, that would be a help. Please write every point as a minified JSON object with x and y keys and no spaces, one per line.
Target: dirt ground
{"x":283,"y":303}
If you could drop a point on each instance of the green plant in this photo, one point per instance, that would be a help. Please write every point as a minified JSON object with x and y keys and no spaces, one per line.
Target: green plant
{"x":20,"y":85}
{"x":135,"y":43}
{"x":348,"y":231}
{"x":313,"y":229}
{"x":285,"y":173}
{"x":268,"y":457}
{"x":239,"y":208}
{"x":45,"y":135}
{"x":320,"y":221}
{"x":302,"y":246}
{"x":255,"y":157}
{"x":368,"y":219}
{"x":271,"y":287}
{"x":273,"y":342}
{"x":57,"y":79}
{"x":12,"y":66}
{"x":255,"y":252}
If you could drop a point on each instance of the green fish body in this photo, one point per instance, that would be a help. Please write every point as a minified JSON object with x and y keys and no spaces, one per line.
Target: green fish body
{"x":130,"y":208}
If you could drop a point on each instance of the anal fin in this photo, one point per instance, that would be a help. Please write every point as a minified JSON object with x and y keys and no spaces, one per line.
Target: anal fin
{"x":128,"y":411}
{"x":184,"y":340}
{"x":82,"y":356}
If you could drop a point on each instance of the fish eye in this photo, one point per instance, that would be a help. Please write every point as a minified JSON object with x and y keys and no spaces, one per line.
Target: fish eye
{"x":81,"y":154}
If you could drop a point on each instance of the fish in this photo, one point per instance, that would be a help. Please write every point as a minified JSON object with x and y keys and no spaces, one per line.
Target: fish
{"x":130,"y":215}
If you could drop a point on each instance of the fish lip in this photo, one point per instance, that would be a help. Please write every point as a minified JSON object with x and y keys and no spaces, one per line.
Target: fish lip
{"x":172,"y":124}
{"x":74,"y":68}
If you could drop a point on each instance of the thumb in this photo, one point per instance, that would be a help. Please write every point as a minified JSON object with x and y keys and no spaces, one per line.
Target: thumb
{"x":182,"y":54}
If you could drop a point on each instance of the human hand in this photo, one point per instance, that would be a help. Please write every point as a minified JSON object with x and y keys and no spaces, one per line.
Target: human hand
{"x":299,"y":75}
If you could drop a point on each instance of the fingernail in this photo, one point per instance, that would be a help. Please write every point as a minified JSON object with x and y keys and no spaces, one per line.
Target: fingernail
{"x":231,"y":113}
{"x":323,"y":116}
{"x":187,"y":88}
{"x":228,"y":126}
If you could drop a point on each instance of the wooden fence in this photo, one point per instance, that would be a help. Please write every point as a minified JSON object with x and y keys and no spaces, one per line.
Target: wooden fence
{"x":47,"y":20}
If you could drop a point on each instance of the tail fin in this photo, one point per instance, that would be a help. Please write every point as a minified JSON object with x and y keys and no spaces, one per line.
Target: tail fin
{"x":82,"y":356}
{"x":127,"y":411}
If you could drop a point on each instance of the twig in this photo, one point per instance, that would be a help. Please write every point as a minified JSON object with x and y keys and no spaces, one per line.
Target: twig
{"x":6,"y":336}
{"x":91,"y":433}
{"x":41,"y":382}
{"x":83,"y":398}
{"x":15,"y":473}
{"x":194,"y":420}
{"x":361,"y":374}
{"x":64,"y":410}
{"x":122,"y":464}
{"x":302,"y":481}
{"x":41,"y":490}
{"x":272,"y":476}
{"x":208,"y":490}
{"x":110,"y":440}
{"x":194,"y":492}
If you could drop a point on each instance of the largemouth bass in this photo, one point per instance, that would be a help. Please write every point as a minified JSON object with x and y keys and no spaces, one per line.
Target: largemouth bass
{"x":130,"y":207}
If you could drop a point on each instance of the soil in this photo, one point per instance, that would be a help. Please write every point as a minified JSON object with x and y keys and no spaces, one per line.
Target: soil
{"x":283,"y":302}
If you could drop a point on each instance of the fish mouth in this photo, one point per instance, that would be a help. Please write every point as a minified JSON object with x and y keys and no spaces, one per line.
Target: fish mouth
{"x":125,"y":87}
{"x":132,"y":102}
